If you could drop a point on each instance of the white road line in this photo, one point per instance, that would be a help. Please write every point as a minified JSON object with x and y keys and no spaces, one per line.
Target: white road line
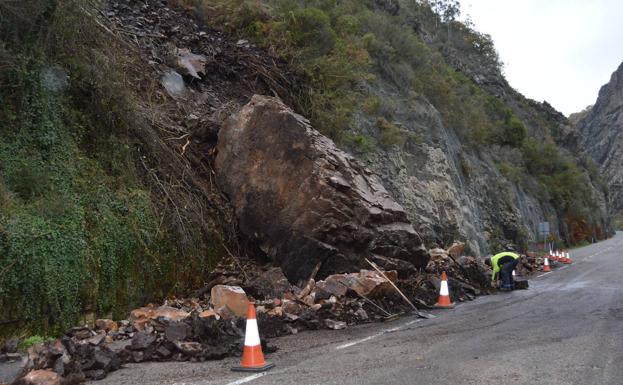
{"x":395,"y":329}
{"x":248,"y":379}
{"x":544,"y":274}
{"x":237,"y":382}
{"x":348,"y":345}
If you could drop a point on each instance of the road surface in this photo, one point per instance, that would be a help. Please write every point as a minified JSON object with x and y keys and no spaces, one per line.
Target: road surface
{"x":566,"y":329}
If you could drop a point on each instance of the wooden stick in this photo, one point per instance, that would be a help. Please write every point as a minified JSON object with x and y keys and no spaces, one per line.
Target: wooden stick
{"x":395,"y":287}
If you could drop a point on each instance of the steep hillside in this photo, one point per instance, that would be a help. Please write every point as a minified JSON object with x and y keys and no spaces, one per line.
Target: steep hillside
{"x":602,"y":136}
{"x":420,"y":98}
{"x":106,"y":199}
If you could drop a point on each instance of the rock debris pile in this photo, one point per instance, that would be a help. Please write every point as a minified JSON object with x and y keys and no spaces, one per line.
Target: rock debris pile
{"x":211,"y":325}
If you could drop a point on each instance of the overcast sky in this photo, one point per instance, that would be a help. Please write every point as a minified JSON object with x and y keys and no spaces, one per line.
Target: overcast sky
{"x":561,"y":51}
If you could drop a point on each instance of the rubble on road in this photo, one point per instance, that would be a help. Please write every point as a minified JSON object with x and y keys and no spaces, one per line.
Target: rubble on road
{"x":211,"y":326}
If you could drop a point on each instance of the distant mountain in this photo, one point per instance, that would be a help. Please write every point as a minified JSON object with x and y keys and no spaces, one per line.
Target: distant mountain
{"x":602,"y":136}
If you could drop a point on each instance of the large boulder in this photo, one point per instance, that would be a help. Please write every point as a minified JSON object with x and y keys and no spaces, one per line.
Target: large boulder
{"x":304,"y":200}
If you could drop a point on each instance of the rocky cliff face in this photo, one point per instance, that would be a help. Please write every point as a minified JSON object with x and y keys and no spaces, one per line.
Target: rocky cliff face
{"x":602,"y":136}
{"x":451,"y":191}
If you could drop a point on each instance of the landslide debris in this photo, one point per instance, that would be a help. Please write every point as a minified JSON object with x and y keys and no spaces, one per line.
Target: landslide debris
{"x":212,"y":325}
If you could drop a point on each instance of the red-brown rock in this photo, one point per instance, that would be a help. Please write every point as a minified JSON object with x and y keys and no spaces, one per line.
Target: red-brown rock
{"x":41,"y":377}
{"x":106,"y":325}
{"x":457,"y":249}
{"x":229,"y":300}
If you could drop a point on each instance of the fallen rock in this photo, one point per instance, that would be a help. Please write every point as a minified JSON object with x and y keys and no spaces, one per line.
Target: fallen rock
{"x":106,"y":325}
{"x":304,"y":200}
{"x":404,"y":268}
{"x":335,"y":325}
{"x":141,"y":317}
{"x":45,"y":355}
{"x":177,"y":331}
{"x":457,"y":249}
{"x":438,"y":255}
{"x":170,"y":314}
{"x":367,"y":283}
{"x":209,"y":313}
{"x":361,"y":314}
{"x":96,"y":339}
{"x":10,"y":346}
{"x":142,"y":341}
{"x":332,"y":285}
{"x":371,"y":284}
{"x":271,"y":283}
{"x":40,"y":377}
{"x":228,"y":300}
{"x":190,"y":348}
{"x":291,"y":307}
{"x":80,"y":332}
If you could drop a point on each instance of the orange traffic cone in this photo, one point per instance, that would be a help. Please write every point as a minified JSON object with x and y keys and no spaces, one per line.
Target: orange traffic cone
{"x":555,"y":256}
{"x":252,"y":356}
{"x":568,"y":260}
{"x":444,"y":294}
{"x":546,"y":265}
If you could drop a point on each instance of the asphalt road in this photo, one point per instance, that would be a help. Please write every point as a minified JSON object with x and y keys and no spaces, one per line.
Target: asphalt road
{"x":566,"y":329}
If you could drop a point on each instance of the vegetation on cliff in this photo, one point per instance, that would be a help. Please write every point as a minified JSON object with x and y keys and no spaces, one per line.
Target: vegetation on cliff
{"x":80,"y":230}
{"x":346,"y":48}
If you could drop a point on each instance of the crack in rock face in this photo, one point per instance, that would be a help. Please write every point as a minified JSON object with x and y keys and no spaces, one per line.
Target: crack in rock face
{"x":305,"y":201}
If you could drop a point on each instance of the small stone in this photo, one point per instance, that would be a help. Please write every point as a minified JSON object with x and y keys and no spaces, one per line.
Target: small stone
{"x":95,"y":375}
{"x":10,"y":346}
{"x":457,"y":249}
{"x":335,"y":325}
{"x":106,"y":325}
{"x":163,"y":352}
{"x":142,"y":341}
{"x":189,"y":348}
{"x":275,"y":312}
{"x":138,"y":356}
{"x":271,"y":283}
{"x":80,"y":332}
{"x":291,"y":307}
{"x":209,"y":313}
{"x":41,"y":377}
{"x":309,"y":300}
{"x":361,"y":314}
{"x":177,"y":331}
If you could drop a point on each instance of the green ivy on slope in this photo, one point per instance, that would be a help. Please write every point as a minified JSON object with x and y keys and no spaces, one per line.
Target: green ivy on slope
{"x":70,"y":235}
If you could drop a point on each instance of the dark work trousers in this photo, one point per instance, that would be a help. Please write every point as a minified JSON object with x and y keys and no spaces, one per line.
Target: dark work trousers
{"x":506,"y":273}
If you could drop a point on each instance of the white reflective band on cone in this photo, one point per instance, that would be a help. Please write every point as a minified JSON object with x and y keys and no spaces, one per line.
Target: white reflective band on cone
{"x":251,"y":336}
{"x":444,"y":288}
{"x":546,"y":262}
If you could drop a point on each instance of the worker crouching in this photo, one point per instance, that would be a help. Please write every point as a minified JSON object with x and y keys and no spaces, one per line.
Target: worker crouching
{"x":503,"y":264}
